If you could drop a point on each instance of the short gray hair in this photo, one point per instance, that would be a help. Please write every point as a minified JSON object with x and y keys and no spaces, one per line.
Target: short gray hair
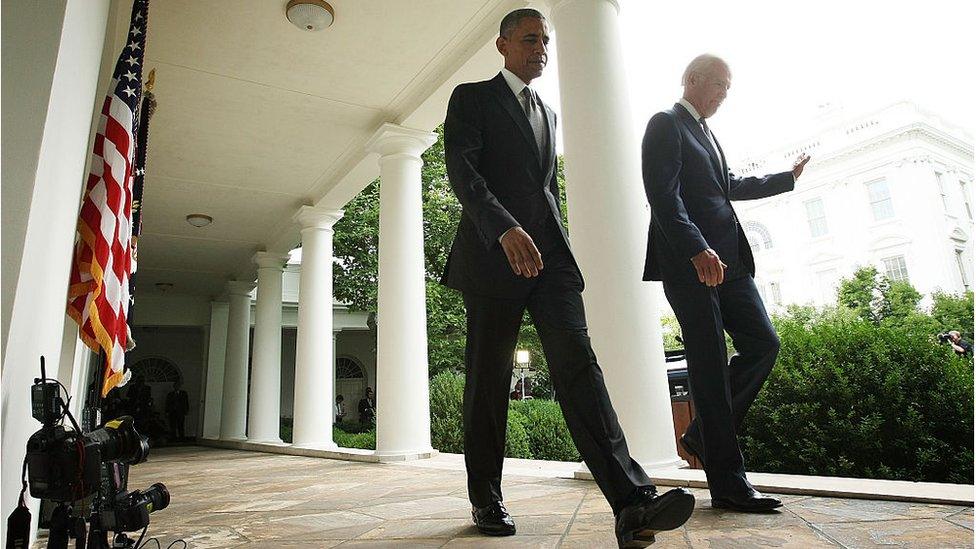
{"x":512,"y":20}
{"x":701,"y":64}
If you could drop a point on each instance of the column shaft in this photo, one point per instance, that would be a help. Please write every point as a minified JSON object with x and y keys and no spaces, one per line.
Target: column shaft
{"x":314,"y":363}
{"x":603,"y":180}
{"x":403,"y":406}
{"x":233,"y":405}
{"x":265,"y":402}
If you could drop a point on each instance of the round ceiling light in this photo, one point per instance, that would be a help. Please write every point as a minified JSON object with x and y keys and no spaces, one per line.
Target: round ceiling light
{"x":199,"y":220}
{"x":310,"y":15}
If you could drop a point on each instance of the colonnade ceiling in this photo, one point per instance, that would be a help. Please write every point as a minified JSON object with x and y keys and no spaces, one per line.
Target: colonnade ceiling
{"x":256,"y":117}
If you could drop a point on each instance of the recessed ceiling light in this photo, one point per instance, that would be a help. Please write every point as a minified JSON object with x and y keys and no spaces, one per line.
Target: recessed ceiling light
{"x":310,"y":15}
{"x":199,"y":220}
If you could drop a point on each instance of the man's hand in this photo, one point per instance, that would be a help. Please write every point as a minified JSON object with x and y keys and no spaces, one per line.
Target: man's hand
{"x":798,"y":165}
{"x":521,"y":252}
{"x":711,"y":270}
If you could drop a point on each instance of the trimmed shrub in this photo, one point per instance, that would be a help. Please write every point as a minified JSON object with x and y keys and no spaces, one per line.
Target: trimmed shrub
{"x":364,"y":441}
{"x":549,"y":437}
{"x":446,"y":401}
{"x":852,"y":398}
{"x":516,"y":437}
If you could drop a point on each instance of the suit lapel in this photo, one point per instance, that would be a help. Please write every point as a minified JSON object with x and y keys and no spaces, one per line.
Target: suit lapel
{"x":725,"y":166}
{"x":695,"y":128}
{"x":549,"y":161}
{"x":514,"y":109}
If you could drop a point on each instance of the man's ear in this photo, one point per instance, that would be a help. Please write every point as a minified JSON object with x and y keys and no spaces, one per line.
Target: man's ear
{"x":501,"y":43}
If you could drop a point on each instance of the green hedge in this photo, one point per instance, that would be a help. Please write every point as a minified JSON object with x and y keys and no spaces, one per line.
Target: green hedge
{"x":853,"y":398}
{"x":536,"y":429}
{"x":348,"y":435}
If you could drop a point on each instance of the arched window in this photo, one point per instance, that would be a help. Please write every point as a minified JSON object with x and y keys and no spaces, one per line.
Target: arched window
{"x":156,"y":369}
{"x":758,"y":235}
{"x":348,"y":368}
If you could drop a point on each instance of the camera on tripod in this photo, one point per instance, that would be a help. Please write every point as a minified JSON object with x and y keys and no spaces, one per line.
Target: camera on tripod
{"x":66,"y":466}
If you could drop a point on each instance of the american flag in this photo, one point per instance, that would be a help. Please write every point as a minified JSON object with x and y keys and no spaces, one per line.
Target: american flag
{"x":98,"y":295}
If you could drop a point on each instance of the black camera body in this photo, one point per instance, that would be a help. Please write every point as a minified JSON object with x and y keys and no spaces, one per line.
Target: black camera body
{"x":130,"y":513}
{"x":944,"y":337}
{"x":65,"y":466}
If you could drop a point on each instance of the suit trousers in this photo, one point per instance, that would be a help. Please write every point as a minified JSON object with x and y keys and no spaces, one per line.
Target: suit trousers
{"x":556,"y":307}
{"x":723,"y":390}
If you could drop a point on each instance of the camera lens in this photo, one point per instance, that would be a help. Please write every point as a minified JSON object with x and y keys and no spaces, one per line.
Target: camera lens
{"x":119,"y":441}
{"x":158,"y":496}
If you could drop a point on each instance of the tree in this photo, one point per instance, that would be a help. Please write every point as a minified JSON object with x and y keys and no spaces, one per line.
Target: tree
{"x":877,"y":299}
{"x":356,"y":248}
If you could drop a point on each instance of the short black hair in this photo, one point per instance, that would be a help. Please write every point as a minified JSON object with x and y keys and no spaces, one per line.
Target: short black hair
{"x":512,"y":20}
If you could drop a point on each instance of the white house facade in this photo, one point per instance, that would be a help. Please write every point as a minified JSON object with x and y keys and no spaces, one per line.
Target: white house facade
{"x":892,"y":189}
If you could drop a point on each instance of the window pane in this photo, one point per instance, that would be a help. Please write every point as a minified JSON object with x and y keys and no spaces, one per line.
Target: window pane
{"x":895,"y":268}
{"x":880,"y":199}
{"x":816,"y":217}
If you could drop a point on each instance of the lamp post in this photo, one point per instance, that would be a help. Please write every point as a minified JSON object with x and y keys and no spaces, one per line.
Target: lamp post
{"x":522,"y":360}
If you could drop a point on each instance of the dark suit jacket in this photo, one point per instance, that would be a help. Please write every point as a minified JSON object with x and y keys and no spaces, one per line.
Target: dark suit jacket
{"x":501,"y":180}
{"x":691,"y":198}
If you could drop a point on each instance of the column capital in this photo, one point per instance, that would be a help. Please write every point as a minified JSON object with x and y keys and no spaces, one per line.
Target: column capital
{"x":394,"y":139}
{"x":310,"y":217}
{"x":556,"y":4}
{"x":270,"y":260}
{"x":237,"y":287}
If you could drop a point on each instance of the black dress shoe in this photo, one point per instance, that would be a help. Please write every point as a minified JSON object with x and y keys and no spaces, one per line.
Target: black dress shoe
{"x":692,"y":447}
{"x":753,"y":502}
{"x":493,"y":520}
{"x":650,"y":513}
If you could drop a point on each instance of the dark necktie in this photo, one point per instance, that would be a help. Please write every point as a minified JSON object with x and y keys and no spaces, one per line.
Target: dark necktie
{"x":534,"y":115}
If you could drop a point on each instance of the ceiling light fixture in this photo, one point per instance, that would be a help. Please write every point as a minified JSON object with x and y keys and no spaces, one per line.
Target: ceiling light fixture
{"x":164,"y":286}
{"x":310,"y":15}
{"x":199,"y":220}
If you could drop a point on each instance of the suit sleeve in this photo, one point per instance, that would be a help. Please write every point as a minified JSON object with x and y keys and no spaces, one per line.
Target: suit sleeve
{"x":463,"y":144}
{"x":661,"y":164}
{"x":752,"y":188}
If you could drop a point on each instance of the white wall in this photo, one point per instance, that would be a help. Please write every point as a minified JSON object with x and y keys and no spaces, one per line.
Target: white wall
{"x":54,"y":138}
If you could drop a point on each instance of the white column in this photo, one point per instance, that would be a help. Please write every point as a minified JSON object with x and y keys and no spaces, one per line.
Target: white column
{"x":265,"y":404}
{"x":51,"y":56}
{"x":233,"y":405}
{"x":603,"y":180}
{"x":402,"y":401}
{"x":216,"y":357}
{"x":314,"y":361}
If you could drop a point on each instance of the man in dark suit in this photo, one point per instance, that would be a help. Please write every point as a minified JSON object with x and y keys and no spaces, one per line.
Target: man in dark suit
{"x":511,"y":253}
{"x":697,"y":248}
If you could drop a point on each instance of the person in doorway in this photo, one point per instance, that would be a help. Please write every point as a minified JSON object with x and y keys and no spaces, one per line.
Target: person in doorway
{"x":177,"y":406}
{"x":340,"y":408}
{"x":367,"y":408}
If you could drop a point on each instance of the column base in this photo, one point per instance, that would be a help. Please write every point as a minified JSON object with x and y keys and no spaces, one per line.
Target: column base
{"x":327,"y":446}
{"x":233,"y":439}
{"x":424,"y":451}
{"x":273,"y":441}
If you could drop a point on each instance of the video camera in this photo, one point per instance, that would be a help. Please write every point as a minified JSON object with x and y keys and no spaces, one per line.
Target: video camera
{"x":68,"y":465}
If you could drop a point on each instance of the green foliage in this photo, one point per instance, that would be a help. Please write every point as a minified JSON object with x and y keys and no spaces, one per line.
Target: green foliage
{"x":549,"y":437}
{"x":516,"y":437}
{"x":953,"y":312}
{"x":535,"y":429}
{"x":670,"y":330}
{"x":446,"y":406}
{"x":345,"y":435}
{"x":862,"y":292}
{"x":851,"y":397}
{"x":364,"y":441}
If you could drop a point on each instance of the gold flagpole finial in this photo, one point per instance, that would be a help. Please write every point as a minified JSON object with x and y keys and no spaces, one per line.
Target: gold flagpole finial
{"x":151,"y":81}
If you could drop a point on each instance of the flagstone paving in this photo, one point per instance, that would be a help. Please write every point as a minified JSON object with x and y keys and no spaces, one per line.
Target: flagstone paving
{"x":248,"y":500}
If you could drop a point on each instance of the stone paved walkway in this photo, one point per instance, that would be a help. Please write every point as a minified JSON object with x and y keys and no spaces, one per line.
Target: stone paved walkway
{"x":223,"y":498}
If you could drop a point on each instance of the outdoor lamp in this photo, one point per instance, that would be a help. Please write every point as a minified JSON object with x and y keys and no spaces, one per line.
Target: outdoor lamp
{"x":522,"y":357}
